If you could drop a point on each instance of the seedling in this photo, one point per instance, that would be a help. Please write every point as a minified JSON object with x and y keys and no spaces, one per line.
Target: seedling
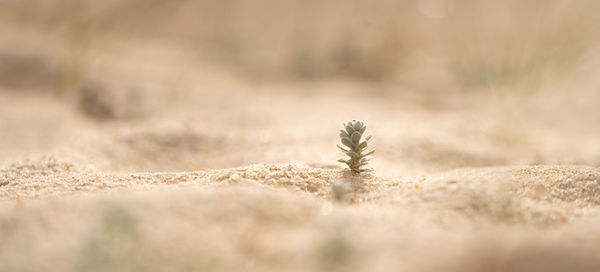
{"x":351,"y":138}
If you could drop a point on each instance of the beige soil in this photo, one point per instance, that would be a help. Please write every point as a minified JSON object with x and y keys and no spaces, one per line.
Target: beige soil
{"x":154,"y":164}
{"x":187,"y":188}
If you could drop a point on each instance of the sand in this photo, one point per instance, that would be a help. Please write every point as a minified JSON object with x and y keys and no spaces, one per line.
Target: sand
{"x":159,"y":163}
{"x":188,"y":190}
{"x":244,"y":180}
{"x":56,"y":215}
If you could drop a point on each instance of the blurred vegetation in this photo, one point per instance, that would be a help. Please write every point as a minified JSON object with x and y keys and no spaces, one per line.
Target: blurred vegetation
{"x":477,"y":44}
{"x":115,"y":245}
{"x":335,"y":251}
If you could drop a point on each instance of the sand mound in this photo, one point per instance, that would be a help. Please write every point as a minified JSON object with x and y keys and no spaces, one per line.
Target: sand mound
{"x":220,"y":220}
{"x":47,"y":177}
{"x":538,"y":194}
{"x":528,"y":193}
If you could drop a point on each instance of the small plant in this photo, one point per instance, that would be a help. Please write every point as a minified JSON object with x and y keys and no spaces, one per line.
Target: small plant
{"x":351,"y":138}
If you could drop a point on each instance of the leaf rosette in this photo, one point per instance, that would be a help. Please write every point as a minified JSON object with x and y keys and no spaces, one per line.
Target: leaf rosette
{"x":353,"y":146}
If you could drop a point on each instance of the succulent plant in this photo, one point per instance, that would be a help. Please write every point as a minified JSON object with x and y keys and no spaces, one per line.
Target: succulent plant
{"x":351,"y":138}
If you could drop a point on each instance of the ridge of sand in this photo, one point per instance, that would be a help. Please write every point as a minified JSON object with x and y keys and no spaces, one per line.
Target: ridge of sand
{"x":517,"y":194}
{"x":47,"y":177}
{"x":223,"y":219}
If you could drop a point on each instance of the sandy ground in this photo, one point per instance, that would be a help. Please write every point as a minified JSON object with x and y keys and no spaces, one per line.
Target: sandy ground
{"x":242,"y":180}
{"x":141,"y":170}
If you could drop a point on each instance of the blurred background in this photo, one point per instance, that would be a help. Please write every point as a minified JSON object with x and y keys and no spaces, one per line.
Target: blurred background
{"x":136,"y":85}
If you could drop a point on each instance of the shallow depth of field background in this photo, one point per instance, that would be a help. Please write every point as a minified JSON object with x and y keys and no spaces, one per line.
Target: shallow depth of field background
{"x":228,"y":112}
{"x":123,"y":63}
{"x":431,"y":47}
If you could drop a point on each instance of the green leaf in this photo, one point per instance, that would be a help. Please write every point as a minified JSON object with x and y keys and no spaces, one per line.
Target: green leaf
{"x":362,"y":130}
{"x":349,"y":129}
{"x":368,"y":138}
{"x":365,"y":159}
{"x":369,"y":153}
{"x":366,"y":169}
{"x":358,"y":125}
{"x":344,"y":137}
{"x":344,"y":160}
{"x":356,"y":137}
{"x":342,"y":148}
{"x":347,"y":142}
{"x":353,"y":154}
{"x":362,"y":146}
{"x":344,"y":133}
